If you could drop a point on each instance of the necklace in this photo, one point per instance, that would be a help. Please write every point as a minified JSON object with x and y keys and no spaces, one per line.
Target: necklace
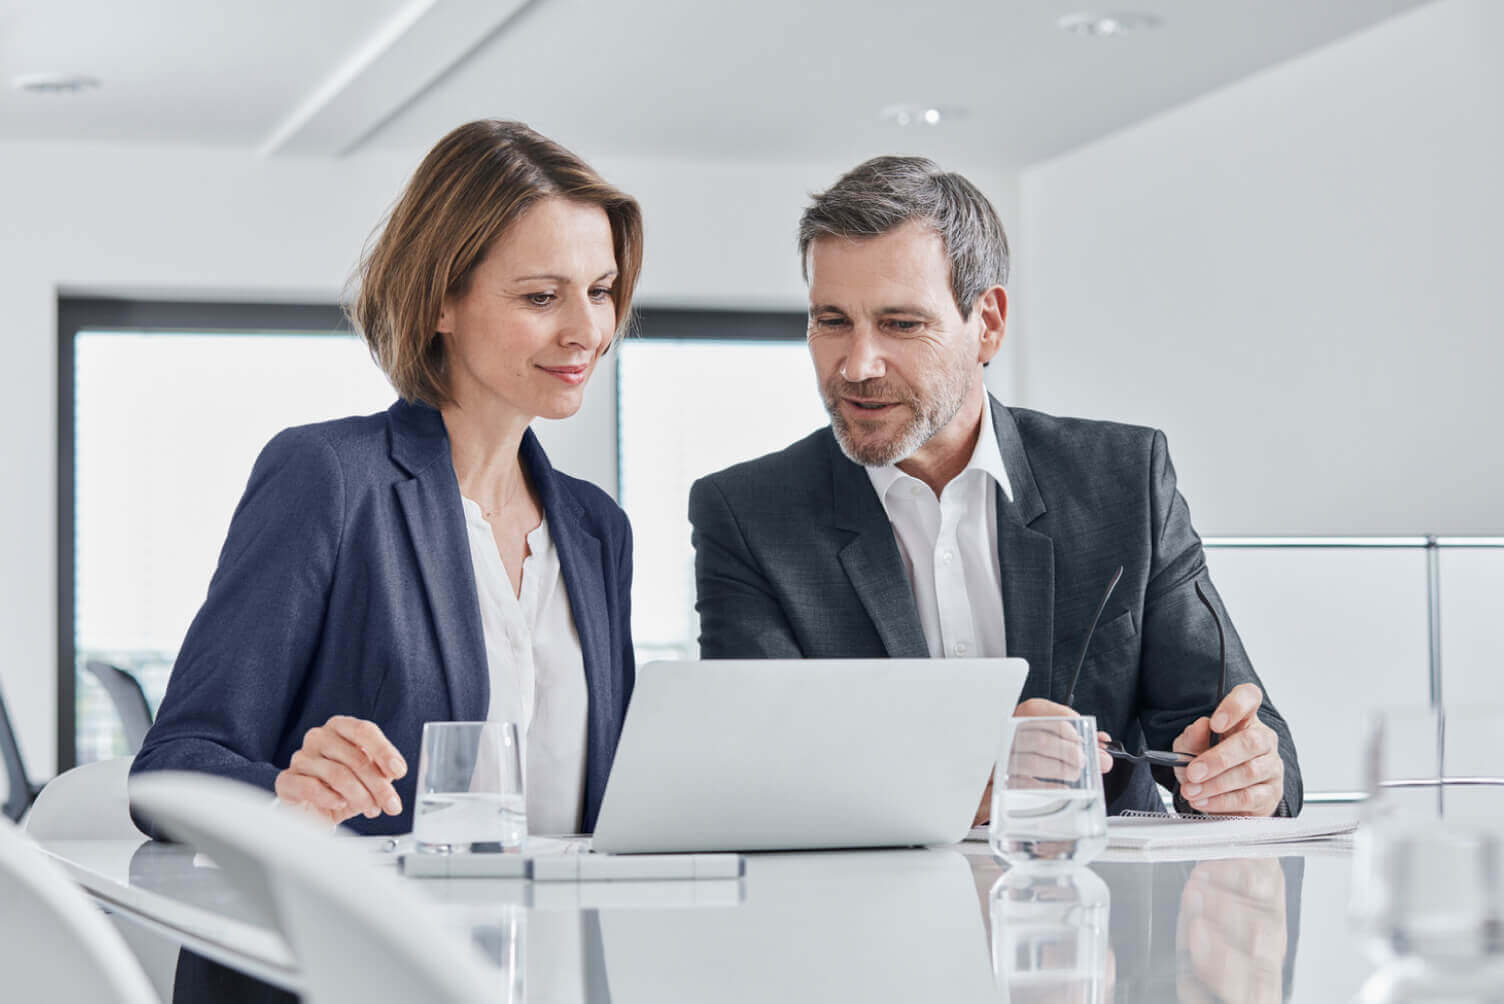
{"x":488,"y":513}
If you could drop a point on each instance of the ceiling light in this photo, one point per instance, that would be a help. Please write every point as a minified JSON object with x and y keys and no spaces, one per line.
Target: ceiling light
{"x":54,"y":83}
{"x":1107,"y":25}
{"x":913,"y":114}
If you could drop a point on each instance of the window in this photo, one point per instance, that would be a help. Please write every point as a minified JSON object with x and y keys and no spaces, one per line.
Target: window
{"x":698,"y":392}
{"x":164,"y":409}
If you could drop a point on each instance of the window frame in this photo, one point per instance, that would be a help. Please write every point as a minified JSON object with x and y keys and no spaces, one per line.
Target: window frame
{"x":166,"y":317}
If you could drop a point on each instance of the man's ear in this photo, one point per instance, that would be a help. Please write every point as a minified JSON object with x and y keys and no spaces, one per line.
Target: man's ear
{"x":992,"y":311}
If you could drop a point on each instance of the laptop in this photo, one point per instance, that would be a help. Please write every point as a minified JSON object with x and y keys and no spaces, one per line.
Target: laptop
{"x":763,"y":755}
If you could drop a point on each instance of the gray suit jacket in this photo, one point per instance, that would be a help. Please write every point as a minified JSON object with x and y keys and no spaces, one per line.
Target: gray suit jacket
{"x":795,"y":558}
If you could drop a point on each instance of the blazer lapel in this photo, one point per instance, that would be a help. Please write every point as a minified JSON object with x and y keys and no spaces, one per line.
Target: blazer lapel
{"x":582,"y":563}
{"x":872,"y":561}
{"x":430,"y":503}
{"x":1027,"y":560}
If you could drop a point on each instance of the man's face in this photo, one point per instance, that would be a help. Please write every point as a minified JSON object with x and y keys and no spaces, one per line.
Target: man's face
{"x":894,"y":358}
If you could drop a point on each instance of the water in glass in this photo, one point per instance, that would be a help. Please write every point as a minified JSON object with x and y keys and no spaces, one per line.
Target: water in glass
{"x":456,"y":820}
{"x":1428,"y":863}
{"x":1047,"y":803}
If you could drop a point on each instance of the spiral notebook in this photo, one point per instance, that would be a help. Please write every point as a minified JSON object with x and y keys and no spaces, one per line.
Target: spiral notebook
{"x":1135,"y":830}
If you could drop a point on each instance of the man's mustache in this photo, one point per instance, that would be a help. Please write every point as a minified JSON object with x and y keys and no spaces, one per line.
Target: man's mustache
{"x":873,"y":390}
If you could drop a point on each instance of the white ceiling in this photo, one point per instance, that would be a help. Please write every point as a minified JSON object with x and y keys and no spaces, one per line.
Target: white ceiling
{"x":761,"y":80}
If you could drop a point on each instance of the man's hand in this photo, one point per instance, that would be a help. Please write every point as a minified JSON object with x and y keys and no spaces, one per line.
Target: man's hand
{"x":1038,"y":707}
{"x":1243,"y":774}
{"x":344,"y":769}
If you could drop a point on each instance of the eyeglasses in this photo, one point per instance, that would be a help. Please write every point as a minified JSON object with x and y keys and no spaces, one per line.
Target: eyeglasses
{"x":1163,"y":758}
{"x":1221,"y":653}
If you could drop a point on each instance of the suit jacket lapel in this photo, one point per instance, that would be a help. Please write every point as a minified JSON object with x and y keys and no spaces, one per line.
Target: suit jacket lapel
{"x":872,"y":561}
{"x":1027,"y":560}
{"x":430,"y":503}
{"x":582,"y":564}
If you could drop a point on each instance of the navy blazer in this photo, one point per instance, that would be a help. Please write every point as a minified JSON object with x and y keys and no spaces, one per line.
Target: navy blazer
{"x":345,"y":587}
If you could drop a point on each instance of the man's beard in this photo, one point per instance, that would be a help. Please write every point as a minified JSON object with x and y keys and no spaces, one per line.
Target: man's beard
{"x":926,"y":417}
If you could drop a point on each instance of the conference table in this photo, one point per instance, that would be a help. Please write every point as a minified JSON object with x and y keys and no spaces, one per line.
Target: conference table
{"x":926,"y":924}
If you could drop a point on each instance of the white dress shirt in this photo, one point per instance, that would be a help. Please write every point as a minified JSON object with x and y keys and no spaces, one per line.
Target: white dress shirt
{"x":537,"y":671}
{"x":949,"y":549}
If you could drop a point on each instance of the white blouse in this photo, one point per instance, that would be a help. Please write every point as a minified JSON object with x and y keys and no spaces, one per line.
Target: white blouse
{"x":537,"y":671}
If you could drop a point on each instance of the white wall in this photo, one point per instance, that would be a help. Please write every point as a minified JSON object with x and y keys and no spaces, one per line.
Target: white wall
{"x":1297,"y":278}
{"x":185,"y":223}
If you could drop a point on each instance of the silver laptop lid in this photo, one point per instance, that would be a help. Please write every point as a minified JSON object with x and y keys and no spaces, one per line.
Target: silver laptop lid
{"x":790,"y":754}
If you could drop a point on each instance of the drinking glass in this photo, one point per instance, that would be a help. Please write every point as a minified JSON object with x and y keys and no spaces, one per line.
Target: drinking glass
{"x":1047,"y":804}
{"x":1050,"y":937}
{"x":1428,"y":867}
{"x":469,"y":787}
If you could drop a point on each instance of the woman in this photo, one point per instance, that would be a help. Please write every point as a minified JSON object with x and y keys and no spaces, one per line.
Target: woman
{"x":428,"y":564}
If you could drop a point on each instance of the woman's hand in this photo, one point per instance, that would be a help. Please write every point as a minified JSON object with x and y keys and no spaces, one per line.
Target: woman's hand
{"x":345,"y":768}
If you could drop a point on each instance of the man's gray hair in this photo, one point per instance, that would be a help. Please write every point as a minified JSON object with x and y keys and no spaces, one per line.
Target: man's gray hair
{"x":881,"y":195}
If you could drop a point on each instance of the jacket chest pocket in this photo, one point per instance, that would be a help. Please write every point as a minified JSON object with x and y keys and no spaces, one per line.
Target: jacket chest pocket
{"x":1109,"y":638}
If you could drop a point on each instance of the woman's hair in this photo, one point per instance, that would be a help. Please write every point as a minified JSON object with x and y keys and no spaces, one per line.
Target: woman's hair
{"x":478,"y":181}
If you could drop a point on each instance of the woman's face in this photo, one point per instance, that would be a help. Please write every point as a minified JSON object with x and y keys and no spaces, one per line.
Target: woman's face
{"x":537,"y":313}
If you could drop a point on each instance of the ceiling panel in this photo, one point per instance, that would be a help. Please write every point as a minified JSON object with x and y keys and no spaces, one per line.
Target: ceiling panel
{"x":770,"y":80}
{"x":791,"y":79}
{"x":207,"y":72}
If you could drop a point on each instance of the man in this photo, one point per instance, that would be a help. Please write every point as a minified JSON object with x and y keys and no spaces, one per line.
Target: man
{"x":930,"y":520}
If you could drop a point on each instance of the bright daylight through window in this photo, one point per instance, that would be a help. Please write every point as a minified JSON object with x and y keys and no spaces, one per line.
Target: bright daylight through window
{"x":690,"y":407}
{"x":166,"y":428}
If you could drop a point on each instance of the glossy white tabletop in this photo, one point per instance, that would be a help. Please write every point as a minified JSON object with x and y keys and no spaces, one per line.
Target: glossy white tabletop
{"x":896,"y":925}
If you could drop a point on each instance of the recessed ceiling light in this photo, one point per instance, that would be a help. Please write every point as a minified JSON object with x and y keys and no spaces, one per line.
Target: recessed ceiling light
{"x":1107,"y":25}
{"x":914,"y":114}
{"x":54,"y":83}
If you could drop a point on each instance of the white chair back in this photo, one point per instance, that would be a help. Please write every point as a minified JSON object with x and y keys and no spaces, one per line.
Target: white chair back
{"x":88,"y":802}
{"x":54,"y":943}
{"x":359,"y":935}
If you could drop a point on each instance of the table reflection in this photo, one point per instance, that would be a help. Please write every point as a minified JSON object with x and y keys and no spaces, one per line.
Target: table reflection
{"x":1221,"y":930}
{"x":873,"y":926}
{"x":867,"y":926}
{"x":178,"y":873}
{"x":1415,"y":981}
{"x":1230,"y":936}
{"x":1050,"y":938}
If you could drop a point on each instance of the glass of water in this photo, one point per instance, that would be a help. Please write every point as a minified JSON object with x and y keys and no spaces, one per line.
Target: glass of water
{"x":1050,"y":936}
{"x":1047,"y":802}
{"x":469,"y":787}
{"x":1428,"y":879}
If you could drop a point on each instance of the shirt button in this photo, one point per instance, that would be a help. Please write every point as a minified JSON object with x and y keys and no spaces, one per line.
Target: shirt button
{"x":947,"y":557}
{"x":916,"y":491}
{"x":959,"y":648}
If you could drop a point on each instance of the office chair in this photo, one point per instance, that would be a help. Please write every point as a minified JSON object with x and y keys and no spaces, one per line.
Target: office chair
{"x":54,"y":943}
{"x":20,"y":792}
{"x":86,"y":803}
{"x":358,"y":933}
{"x":129,"y":700}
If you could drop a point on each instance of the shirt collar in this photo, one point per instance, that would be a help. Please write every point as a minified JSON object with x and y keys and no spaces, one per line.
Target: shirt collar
{"x":986,"y":457}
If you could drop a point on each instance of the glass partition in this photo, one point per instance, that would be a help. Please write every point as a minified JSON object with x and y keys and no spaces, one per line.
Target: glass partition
{"x":1472,"y":622}
{"x":1331,"y":631}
